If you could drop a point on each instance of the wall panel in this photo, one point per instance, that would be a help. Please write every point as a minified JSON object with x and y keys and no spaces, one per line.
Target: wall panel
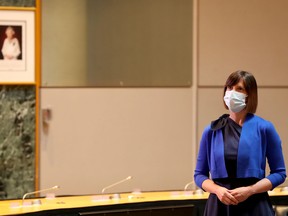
{"x":97,"y":137}
{"x":248,"y":35}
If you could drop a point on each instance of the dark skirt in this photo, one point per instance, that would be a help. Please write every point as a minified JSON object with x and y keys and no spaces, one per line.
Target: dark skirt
{"x":255,"y":205}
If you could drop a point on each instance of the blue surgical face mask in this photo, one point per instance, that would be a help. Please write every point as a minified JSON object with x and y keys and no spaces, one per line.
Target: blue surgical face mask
{"x":235,"y":101}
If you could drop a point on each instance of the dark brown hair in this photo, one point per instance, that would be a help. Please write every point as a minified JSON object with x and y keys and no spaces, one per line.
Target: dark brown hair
{"x":250,"y":85}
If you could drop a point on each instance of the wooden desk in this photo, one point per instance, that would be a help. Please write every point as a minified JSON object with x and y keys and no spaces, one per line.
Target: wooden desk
{"x":168,"y":203}
{"x":109,"y":203}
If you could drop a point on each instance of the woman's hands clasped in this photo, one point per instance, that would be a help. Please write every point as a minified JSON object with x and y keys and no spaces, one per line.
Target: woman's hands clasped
{"x":233,"y":197}
{"x":241,"y":193}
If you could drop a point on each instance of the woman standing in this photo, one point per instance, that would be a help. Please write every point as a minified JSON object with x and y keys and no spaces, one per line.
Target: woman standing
{"x":232,"y":157}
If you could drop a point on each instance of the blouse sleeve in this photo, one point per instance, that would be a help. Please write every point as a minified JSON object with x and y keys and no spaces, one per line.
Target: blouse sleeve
{"x":275,"y":156}
{"x":202,"y":166}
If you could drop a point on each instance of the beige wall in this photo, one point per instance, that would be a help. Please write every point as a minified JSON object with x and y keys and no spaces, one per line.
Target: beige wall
{"x":249,"y":35}
{"x":98,"y":136}
{"x":65,"y":65}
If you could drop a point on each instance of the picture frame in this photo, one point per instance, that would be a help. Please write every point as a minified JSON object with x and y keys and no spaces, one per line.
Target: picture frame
{"x":17,"y":46}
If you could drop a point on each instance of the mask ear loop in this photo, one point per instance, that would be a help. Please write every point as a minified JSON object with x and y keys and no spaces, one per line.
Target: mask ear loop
{"x":246,"y":101}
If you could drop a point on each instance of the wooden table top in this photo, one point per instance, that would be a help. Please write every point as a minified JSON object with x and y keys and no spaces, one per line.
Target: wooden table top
{"x":14,"y":207}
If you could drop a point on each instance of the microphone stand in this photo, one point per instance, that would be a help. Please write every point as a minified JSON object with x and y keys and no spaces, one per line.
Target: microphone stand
{"x":39,"y":191}
{"x":187,"y":185}
{"x":119,"y":182}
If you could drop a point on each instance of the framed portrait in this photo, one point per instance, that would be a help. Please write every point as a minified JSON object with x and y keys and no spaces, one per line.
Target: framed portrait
{"x":17,"y":46}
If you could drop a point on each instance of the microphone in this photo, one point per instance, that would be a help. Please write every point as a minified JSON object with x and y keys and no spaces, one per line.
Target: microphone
{"x":196,"y":191}
{"x":187,"y":185}
{"x":39,"y":191}
{"x":119,"y":182}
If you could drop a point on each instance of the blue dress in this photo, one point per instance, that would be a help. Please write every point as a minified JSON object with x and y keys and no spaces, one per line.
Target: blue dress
{"x":255,"y":205}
